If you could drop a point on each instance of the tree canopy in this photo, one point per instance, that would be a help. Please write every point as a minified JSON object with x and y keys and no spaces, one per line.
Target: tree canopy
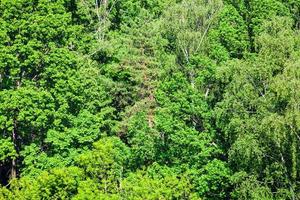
{"x":149,"y":99}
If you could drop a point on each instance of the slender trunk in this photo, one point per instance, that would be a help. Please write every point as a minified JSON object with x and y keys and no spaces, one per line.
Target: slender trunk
{"x":293,"y":155}
{"x":102,"y":13}
{"x":192,"y":78}
{"x":13,"y":171}
{"x":293,"y":167}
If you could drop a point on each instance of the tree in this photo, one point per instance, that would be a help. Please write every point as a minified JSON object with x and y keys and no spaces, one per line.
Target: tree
{"x":258,"y":123}
{"x":48,"y":86}
{"x":187,"y":25}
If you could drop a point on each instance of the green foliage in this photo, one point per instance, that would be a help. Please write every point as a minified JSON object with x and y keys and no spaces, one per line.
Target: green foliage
{"x":250,"y":188}
{"x":258,"y":127}
{"x":149,"y":99}
{"x":212,"y":180}
{"x":157,"y":183}
{"x":56,"y":184}
{"x":187,"y":24}
{"x":230,"y":33}
{"x":105,"y":162}
{"x":181,"y":119}
{"x":7,"y":150}
{"x":142,"y":140}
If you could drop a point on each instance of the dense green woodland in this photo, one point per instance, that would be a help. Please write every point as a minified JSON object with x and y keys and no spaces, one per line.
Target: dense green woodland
{"x":149,"y":99}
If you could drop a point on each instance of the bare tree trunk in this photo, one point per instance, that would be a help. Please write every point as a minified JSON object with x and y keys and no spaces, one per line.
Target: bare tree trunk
{"x":13,"y":171}
{"x":192,"y":78}
{"x":293,"y":154}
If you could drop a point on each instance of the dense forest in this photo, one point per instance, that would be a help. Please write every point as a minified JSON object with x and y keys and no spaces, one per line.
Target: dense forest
{"x":149,"y":99}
